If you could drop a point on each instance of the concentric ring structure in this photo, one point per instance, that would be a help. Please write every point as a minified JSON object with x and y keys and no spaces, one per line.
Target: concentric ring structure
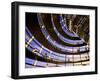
{"x":47,"y":46}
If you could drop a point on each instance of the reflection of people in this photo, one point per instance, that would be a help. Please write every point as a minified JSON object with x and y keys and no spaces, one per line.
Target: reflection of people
{"x":86,"y":57}
{"x":46,"y":55}
{"x":34,"y":50}
{"x":78,"y":49}
{"x":68,"y":59}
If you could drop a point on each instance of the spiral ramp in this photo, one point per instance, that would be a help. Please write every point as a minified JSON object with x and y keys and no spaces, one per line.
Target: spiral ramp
{"x":49,"y":42}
